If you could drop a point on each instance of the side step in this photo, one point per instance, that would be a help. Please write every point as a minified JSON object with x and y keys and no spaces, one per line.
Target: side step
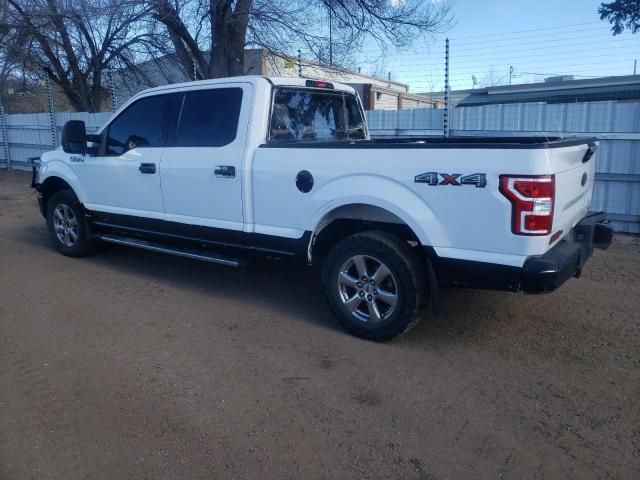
{"x":192,"y":253}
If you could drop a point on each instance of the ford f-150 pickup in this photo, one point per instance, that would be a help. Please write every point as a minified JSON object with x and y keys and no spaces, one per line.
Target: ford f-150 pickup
{"x":223,"y":170}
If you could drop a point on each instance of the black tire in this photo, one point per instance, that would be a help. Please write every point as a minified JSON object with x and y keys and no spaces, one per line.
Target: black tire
{"x":83,"y":244}
{"x":407,"y":273}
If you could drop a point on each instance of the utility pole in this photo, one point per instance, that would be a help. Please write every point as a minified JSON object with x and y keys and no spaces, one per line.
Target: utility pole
{"x":510,"y":74}
{"x":4,"y":138}
{"x":635,"y":66}
{"x":299,"y":63}
{"x":330,"y":36}
{"x":52,"y":113}
{"x":112,"y":89}
{"x":445,"y":122}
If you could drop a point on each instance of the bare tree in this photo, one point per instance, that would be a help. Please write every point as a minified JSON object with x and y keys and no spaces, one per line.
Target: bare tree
{"x":74,"y":41}
{"x":7,"y":57}
{"x":213,"y":34}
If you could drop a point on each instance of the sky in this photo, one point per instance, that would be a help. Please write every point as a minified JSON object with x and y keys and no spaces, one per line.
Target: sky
{"x":538,"y":38}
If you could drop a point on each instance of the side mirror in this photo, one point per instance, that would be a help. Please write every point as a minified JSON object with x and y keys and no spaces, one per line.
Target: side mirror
{"x":74,"y":137}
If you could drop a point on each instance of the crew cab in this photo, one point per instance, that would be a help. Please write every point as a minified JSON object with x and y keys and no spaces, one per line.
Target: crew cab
{"x":223,"y":170}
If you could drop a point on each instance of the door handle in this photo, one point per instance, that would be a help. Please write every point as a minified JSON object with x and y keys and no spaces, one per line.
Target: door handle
{"x":225,"y":171}
{"x":147,"y":168}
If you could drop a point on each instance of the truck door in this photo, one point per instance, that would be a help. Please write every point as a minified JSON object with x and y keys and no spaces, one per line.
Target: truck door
{"x":124,"y":178}
{"x":201,"y":168}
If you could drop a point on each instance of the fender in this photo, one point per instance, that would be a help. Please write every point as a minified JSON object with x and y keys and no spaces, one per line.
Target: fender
{"x":52,"y":166}
{"x":389,"y":195}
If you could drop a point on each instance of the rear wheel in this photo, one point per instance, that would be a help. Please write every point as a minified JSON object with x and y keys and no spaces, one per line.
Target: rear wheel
{"x":375,"y":284}
{"x":67,"y":227}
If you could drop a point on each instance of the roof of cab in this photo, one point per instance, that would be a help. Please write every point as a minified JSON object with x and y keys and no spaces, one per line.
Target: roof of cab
{"x":253,"y":79}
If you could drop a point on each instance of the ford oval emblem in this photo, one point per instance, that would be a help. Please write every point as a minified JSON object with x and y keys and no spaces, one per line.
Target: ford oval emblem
{"x":583,"y":182}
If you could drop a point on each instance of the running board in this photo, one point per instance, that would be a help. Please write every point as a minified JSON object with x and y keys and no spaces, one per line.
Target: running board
{"x":192,"y":253}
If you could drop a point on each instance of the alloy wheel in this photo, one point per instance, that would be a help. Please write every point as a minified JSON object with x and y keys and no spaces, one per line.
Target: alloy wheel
{"x":367,"y":288}
{"x":65,"y":225}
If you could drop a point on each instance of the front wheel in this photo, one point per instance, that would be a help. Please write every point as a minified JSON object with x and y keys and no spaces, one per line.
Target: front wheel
{"x":67,"y":227}
{"x":375,"y":284}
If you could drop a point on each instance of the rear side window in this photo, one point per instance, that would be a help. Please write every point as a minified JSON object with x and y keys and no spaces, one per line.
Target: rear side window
{"x":140,"y":125}
{"x":209,"y":118}
{"x":314,"y":115}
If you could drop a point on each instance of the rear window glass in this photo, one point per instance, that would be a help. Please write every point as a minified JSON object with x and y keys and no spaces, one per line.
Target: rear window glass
{"x":311,"y":115}
{"x":209,"y":118}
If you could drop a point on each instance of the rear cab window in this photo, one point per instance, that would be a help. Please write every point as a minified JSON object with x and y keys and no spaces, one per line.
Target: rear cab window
{"x":208,"y":118}
{"x":305,"y":114}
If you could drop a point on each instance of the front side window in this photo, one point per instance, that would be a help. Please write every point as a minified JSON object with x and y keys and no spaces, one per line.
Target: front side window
{"x":140,"y":125}
{"x":209,"y":118}
{"x":311,"y":115}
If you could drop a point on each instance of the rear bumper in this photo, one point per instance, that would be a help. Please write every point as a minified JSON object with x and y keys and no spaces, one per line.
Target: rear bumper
{"x":539,"y":274}
{"x":547,"y":272}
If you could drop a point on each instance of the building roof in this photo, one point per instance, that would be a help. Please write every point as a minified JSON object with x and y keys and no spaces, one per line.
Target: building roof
{"x":563,"y":91}
{"x":552,"y":91}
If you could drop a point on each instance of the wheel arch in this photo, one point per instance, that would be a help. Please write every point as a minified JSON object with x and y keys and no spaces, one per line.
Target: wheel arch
{"x":52,"y":185}
{"x":350,"y":218}
{"x":57,"y":176}
{"x":398,"y":203}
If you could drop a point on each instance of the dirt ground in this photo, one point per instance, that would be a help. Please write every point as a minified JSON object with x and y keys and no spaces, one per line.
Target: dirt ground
{"x":134,"y":365}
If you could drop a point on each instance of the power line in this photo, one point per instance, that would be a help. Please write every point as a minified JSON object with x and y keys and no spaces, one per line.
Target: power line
{"x":533,"y":42}
{"x":455,"y":70}
{"x":552,"y":43}
{"x":592,"y":31}
{"x":546,"y":53}
{"x":548,"y":64}
{"x":530,"y":30}
{"x":550,"y":37}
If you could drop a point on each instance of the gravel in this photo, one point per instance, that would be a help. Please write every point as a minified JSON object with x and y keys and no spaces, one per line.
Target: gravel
{"x":130,"y":364}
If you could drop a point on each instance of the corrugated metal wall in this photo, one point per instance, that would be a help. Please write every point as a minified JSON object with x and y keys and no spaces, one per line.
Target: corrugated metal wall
{"x":30,"y":134}
{"x":615,"y":124}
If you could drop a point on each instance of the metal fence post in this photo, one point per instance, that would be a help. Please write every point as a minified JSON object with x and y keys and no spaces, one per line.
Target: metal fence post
{"x":446,"y":90}
{"x":5,"y":137}
{"x":112,"y":90}
{"x":52,"y":113}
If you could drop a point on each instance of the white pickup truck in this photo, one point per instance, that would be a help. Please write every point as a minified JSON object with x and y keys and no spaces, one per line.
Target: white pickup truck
{"x":223,"y":170}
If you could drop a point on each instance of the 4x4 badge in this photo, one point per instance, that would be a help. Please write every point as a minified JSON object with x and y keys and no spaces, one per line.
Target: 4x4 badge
{"x":456,"y":179}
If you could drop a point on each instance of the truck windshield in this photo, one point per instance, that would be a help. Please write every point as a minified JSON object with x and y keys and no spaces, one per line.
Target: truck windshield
{"x":302,"y":114}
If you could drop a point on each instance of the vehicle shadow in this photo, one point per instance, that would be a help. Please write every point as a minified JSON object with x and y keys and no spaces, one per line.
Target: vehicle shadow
{"x":290,"y":288}
{"x":293,"y":290}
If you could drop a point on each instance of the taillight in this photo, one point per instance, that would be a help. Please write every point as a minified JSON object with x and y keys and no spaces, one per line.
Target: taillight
{"x":531,"y":200}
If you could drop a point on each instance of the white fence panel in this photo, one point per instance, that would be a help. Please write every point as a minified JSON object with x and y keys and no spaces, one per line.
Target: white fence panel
{"x":29,"y":134}
{"x":616,"y":124}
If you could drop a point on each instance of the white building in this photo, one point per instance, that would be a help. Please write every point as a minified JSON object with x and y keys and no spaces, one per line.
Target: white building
{"x":376,"y":93}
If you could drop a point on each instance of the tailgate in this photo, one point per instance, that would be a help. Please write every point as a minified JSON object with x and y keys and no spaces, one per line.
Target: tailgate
{"x":574,"y":168}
